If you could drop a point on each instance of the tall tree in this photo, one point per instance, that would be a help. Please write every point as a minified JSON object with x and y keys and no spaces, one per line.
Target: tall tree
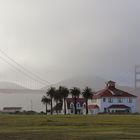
{"x":46,"y":101}
{"x":87,"y":94}
{"x":57,"y":99}
{"x":51,"y":93}
{"x":64,"y":92}
{"x":75,"y":92}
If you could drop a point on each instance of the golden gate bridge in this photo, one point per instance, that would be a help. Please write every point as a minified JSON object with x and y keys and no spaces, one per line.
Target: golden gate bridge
{"x":31,"y":79}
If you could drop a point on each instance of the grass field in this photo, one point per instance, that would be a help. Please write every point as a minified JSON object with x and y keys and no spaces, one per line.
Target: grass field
{"x":101,"y":127}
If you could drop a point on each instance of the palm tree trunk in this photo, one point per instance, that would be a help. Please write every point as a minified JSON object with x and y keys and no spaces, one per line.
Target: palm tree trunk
{"x":56,"y":108}
{"x":86,"y":106}
{"x":46,"y":109}
{"x":64,"y":106}
{"x":75,"y":102}
{"x":51,"y":107}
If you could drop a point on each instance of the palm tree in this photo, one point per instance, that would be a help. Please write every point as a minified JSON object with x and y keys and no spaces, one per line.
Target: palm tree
{"x":75,"y":92}
{"x":87,"y":94}
{"x":46,"y":101}
{"x":64,"y":92}
{"x":57,"y":99}
{"x":51,"y":93}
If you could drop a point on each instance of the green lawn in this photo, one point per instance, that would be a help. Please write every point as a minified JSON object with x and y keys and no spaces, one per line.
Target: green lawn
{"x":100,"y":127}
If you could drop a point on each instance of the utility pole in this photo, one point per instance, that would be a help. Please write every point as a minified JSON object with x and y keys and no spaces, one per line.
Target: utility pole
{"x":31,"y":105}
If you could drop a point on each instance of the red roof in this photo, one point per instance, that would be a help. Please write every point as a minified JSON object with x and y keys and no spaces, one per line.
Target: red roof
{"x":118,"y":106}
{"x":93,"y":106}
{"x":71,"y":100}
{"x":80,"y":100}
{"x":112,"y":92}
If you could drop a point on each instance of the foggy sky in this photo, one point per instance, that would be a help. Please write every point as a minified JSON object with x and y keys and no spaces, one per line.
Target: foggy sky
{"x":59,"y":39}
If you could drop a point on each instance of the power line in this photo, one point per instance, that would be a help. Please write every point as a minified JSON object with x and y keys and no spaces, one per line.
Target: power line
{"x":23,"y":68}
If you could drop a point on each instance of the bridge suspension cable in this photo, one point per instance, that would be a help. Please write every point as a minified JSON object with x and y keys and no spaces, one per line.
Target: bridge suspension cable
{"x":17,"y":69}
{"x":22,"y":69}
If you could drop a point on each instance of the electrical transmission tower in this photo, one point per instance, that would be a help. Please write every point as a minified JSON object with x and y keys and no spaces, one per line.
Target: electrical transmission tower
{"x":137,"y":76}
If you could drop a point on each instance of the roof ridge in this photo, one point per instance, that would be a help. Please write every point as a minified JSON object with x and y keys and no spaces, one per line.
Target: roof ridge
{"x":113,"y":93}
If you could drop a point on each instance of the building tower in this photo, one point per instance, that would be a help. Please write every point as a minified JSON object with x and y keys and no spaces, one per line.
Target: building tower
{"x":137,"y":76}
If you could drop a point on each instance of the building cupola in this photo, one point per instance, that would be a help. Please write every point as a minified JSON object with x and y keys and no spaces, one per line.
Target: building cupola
{"x":110,"y":84}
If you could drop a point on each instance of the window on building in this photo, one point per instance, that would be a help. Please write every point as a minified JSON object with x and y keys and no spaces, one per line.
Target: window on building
{"x":71,"y":105}
{"x":104,"y":99}
{"x":120,"y":100}
{"x":130,"y":100}
{"x":110,"y":100}
{"x":78,"y":104}
{"x":105,"y":109}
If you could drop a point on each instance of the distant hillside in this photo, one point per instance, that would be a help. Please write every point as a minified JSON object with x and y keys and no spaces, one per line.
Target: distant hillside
{"x":94,"y":82}
{"x":10,"y":85}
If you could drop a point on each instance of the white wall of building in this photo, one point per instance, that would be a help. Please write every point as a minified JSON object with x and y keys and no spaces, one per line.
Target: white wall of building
{"x":106,"y":104}
{"x":95,"y":102}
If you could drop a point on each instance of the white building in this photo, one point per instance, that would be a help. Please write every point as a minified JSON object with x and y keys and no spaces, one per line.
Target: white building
{"x":70,"y":109}
{"x":112,"y":100}
{"x":12,"y":109}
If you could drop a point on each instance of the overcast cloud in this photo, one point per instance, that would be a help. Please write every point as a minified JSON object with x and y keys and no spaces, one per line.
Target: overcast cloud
{"x":59,"y":39}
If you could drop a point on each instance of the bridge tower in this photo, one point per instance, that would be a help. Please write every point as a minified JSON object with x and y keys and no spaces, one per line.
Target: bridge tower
{"x":137,"y":76}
